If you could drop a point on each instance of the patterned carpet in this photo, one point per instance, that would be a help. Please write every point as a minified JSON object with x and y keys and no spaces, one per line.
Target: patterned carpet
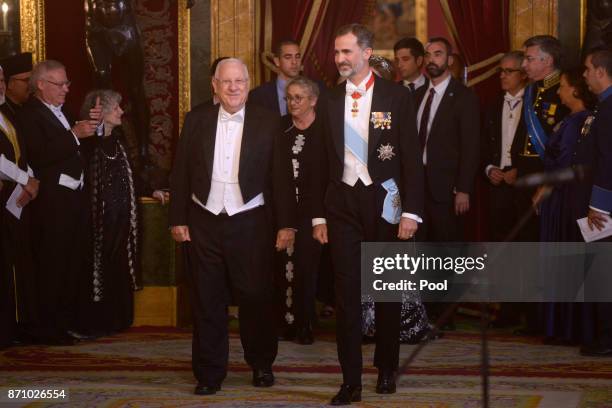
{"x":149,"y":367}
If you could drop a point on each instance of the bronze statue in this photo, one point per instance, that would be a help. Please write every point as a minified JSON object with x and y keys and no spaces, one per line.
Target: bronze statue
{"x":113,"y":35}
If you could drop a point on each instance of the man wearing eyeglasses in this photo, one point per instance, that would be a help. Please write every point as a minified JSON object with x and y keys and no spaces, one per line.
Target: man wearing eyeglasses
{"x":54,"y":148}
{"x":230,"y":171}
{"x":503,"y":139}
{"x":17,"y":72}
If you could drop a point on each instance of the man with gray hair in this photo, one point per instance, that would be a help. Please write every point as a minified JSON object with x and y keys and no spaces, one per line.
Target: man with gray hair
{"x":230,"y":171}
{"x":53,"y":145}
{"x":543,"y":109}
{"x":504,"y":136}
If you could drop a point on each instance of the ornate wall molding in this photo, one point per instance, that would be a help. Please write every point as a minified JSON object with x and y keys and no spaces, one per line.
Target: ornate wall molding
{"x":32,"y":28}
{"x":233,"y":31}
{"x":184,"y":60}
{"x":532,"y":17}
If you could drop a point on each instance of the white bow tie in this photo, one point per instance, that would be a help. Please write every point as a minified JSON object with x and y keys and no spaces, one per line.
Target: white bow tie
{"x":350,"y":89}
{"x":226,"y":117}
{"x":510,"y":98}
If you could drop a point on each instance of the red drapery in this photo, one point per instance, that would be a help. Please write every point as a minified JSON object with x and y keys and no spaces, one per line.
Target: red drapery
{"x":481,"y":32}
{"x":480,"y":29}
{"x":290,"y":19}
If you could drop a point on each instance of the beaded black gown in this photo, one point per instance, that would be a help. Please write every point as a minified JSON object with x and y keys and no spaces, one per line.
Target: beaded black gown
{"x":107,"y":293}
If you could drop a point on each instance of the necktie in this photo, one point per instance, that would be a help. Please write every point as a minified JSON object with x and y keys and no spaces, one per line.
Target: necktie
{"x":411,"y":86}
{"x":425,"y":119}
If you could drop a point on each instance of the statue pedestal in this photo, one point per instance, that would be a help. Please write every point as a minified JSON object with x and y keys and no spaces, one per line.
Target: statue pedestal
{"x":163,"y":300}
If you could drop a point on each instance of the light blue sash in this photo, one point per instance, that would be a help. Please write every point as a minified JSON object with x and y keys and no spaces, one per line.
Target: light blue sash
{"x":355,"y":144}
{"x":392,"y":206}
{"x":537,"y":135}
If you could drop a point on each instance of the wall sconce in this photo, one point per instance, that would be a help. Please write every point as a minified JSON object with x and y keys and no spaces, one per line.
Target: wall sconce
{"x":5,"y":10}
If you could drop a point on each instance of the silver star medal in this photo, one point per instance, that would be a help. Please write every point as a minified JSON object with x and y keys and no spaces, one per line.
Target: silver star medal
{"x":385,"y":152}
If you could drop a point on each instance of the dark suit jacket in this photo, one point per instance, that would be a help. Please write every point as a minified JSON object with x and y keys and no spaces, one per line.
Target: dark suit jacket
{"x":492,"y":136}
{"x":51,"y":148}
{"x":264,"y":165}
{"x":405,"y":166}
{"x":601,"y":131}
{"x":453,"y":143}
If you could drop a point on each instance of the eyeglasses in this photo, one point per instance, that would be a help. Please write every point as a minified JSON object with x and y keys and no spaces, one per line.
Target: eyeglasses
{"x":508,"y":71}
{"x":297,"y":99}
{"x":59,"y":84}
{"x":226,"y":83}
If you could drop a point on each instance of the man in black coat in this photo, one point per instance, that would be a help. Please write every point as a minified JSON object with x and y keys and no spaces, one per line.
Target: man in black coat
{"x":54,"y":152}
{"x":409,"y":56}
{"x":231,"y":172}
{"x":503,"y":138}
{"x":374,"y":193}
{"x":598,"y":75}
{"x":16,"y":267}
{"x":449,"y":127}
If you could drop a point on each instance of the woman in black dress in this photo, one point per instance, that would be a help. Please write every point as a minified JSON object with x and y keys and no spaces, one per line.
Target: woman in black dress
{"x":108,"y":299}
{"x":299,"y":265}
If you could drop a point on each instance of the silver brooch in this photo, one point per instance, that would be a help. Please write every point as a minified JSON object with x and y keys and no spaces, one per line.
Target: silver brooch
{"x":385,"y":152}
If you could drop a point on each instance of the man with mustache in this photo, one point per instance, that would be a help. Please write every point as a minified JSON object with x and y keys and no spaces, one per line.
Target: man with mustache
{"x":374,"y":193}
{"x":448,"y":127}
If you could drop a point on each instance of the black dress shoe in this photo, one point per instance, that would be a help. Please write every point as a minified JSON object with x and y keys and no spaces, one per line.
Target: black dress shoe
{"x":304,"y":336}
{"x":203,"y":389}
{"x":263,"y":378}
{"x":386,"y":382}
{"x":596,"y":350}
{"x":347,"y":394}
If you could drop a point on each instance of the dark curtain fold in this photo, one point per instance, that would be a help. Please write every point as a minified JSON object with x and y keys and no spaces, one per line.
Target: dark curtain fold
{"x":291,"y":18}
{"x":481,"y":31}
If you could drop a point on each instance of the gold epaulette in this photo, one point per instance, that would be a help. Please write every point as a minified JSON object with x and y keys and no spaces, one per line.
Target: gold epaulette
{"x":552,"y":79}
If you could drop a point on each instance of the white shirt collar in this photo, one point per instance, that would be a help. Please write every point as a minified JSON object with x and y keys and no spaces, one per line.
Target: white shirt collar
{"x":419,"y":82}
{"x":512,"y":98}
{"x":362,"y":84}
{"x":226,"y":116}
{"x":441,"y":87}
{"x":53,"y":108}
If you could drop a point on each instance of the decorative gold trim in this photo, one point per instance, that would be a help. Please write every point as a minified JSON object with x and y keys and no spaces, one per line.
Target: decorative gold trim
{"x":268,"y":37}
{"x":421,"y":20}
{"x":32,"y":28}
{"x":583,"y":22}
{"x":155,"y":306}
{"x":256,"y":80}
{"x":184,"y":60}
{"x":312,"y":17}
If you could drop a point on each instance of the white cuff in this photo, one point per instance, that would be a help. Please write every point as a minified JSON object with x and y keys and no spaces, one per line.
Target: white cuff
{"x":22,"y":177}
{"x":489,"y":167}
{"x":75,"y":138}
{"x":412,"y":217}
{"x":598,"y":210}
{"x":318,"y":221}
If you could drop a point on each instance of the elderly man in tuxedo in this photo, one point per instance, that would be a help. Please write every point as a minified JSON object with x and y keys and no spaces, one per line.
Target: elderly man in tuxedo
{"x":53,"y":144}
{"x":231,"y":183}
{"x":374,"y":193}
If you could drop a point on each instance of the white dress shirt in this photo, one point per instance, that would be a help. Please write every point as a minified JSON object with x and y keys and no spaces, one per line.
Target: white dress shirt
{"x":511,"y":116}
{"x":225,"y":194}
{"x":419,"y":82}
{"x":435,"y":103}
{"x":9,"y":171}
{"x":57,"y":111}
{"x":354,"y":169}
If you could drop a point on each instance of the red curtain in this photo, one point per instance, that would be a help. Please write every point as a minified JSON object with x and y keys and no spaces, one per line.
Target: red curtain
{"x":482,"y":31}
{"x":290,"y":18}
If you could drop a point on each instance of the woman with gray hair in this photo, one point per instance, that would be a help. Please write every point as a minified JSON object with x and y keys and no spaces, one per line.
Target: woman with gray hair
{"x":299,"y":265}
{"x":108,"y":299}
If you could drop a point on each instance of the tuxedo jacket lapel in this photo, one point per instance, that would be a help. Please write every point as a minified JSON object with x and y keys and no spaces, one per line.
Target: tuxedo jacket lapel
{"x":248,"y":146}
{"x":379,"y":104}
{"x":51,"y":118}
{"x":445,"y":106}
{"x":336,"y":107}
{"x":208,"y":124}
{"x":497,"y":125}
